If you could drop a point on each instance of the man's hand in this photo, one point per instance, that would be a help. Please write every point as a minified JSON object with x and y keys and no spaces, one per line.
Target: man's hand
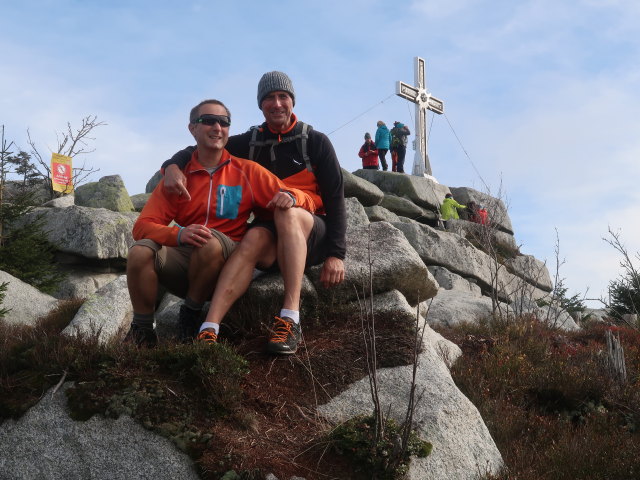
{"x":196,"y":235}
{"x":175,"y":182}
{"x":281,"y":200}
{"x":332,"y":272}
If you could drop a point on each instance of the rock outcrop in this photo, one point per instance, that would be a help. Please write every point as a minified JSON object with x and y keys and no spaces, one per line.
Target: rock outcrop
{"x":393,"y":239}
{"x":109,"y":192}
{"x":91,"y":233}
{"x":47,"y":444}
{"x":25,"y":303}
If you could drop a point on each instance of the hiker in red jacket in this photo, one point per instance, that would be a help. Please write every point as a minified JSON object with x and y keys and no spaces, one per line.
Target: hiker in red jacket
{"x":369,"y":153}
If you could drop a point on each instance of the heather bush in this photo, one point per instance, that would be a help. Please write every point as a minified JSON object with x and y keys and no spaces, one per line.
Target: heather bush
{"x":548,"y":400}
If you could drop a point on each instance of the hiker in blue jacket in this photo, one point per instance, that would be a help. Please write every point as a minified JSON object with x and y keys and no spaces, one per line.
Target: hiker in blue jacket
{"x":383,"y":142}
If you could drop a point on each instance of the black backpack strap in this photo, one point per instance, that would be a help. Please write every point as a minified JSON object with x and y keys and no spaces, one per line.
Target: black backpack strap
{"x":300,"y":139}
{"x":253,"y":142}
{"x":302,"y":145}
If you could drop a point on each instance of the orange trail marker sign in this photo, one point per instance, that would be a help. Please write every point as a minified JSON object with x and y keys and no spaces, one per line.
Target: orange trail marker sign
{"x":61,"y":169}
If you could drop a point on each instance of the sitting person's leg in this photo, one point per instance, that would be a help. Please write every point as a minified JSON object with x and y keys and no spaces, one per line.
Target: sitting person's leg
{"x":257,"y":248}
{"x":205,"y":265}
{"x":142,"y":281}
{"x":293,"y":227}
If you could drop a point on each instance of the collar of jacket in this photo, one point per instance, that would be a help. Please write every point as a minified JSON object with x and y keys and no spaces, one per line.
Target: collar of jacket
{"x":294,"y":123}
{"x":195,"y":165}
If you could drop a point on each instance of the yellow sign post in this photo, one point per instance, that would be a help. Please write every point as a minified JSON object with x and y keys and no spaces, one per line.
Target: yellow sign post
{"x":61,"y":173}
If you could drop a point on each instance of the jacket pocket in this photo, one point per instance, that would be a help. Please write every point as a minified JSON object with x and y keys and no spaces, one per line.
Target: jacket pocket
{"x":228,"y":200}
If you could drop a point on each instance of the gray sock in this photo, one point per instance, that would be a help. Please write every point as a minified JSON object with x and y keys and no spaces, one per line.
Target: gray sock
{"x":143,"y":320}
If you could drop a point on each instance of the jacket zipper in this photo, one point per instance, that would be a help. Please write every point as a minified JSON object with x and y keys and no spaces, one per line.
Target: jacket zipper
{"x":223,"y":190}
{"x":206,"y":221}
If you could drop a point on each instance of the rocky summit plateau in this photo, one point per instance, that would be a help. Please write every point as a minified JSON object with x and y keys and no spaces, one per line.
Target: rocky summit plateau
{"x":418,"y":270}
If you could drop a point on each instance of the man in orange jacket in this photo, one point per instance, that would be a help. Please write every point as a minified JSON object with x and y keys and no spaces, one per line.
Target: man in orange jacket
{"x":183,"y":244}
{"x":303,"y":158}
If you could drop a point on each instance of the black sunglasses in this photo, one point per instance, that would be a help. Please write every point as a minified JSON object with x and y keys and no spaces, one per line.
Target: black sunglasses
{"x":210,"y":119}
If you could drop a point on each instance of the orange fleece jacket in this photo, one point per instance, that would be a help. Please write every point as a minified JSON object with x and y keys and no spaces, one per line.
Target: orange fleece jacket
{"x":222,"y":200}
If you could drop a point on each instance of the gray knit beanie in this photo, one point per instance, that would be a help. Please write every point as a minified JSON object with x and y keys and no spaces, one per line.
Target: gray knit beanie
{"x":273,"y":82}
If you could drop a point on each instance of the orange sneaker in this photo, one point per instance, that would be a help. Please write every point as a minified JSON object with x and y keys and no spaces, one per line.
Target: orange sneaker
{"x":208,"y":335}
{"x":285,"y":336}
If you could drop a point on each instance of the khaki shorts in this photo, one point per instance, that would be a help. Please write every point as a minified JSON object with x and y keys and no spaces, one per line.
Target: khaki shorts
{"x":172,"y":263}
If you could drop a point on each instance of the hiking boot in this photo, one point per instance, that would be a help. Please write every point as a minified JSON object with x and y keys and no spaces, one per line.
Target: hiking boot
{"x":142,"y":336}
{"x":208,"y":335}
{"x":188,"y":324}
{"x":285,"y":336}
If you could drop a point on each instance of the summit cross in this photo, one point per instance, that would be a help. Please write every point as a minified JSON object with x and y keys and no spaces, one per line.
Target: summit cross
{"x":424,"y":101}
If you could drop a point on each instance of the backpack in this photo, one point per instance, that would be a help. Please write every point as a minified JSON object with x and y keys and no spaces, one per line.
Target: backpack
{"x":300,"y":138}
{"x":396,"y":136}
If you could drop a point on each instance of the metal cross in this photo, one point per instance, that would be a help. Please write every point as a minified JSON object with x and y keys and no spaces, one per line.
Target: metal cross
{"x":424,"y":101}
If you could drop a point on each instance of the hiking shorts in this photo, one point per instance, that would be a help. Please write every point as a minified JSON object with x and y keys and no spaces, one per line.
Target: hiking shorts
{"x":317,"y":249}
{"x":172,"y":263}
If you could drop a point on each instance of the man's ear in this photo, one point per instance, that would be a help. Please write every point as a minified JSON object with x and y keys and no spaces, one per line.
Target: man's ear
{"x":192,"y":127}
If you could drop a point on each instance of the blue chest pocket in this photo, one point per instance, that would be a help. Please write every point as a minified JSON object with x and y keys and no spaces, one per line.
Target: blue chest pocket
{"x":228,"y":201}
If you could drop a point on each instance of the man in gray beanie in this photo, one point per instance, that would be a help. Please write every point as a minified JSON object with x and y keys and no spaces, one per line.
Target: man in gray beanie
{"x":273,"y":82}
{"x":302,"y":158}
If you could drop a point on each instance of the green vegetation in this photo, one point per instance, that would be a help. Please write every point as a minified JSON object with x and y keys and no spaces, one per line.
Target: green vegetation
{"x":25,"y":251}
{"x":232,"y":407}
{"x":548,"y":400}
{"x":624,"y":292}
{"x":624,"y":296}
{"x":165,"y":389}
{"x":26,"y":254}
{"x":3,"y":292}
{"x":356,"y":438}
{"x":573,"y":304}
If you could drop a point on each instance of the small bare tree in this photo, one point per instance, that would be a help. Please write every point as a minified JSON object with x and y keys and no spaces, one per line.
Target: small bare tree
{"x":368,"y":324}
{"x":557,"y":301}
{"x":71,"y":143}
{"x":485,"y":236}
{"x":367,"y":319}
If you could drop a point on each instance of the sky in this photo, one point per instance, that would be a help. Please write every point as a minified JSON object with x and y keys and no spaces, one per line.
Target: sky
{"x":542,"y":98}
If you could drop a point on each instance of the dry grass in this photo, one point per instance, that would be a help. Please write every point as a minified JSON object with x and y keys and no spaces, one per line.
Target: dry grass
{"x":548,"y":401}
{"x":545,"y":397}
{"x":231,"y":406}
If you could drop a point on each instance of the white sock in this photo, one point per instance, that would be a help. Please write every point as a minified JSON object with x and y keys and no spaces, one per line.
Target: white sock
{"x":215,"y":326}
{"x":292,"y":314}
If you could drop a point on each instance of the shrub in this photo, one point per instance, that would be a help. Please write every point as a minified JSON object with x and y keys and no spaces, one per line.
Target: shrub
{"x":548,"y":401}
{"x":356,"y":438}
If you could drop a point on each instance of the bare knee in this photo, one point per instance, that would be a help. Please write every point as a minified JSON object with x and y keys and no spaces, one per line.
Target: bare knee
{"x":282,"y":216}
{"x":139,"y":258}
{"x":293,"y":219}
{"x":209,"y":254}
{"x":256,"y":241}
{"x":258,"y":247}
